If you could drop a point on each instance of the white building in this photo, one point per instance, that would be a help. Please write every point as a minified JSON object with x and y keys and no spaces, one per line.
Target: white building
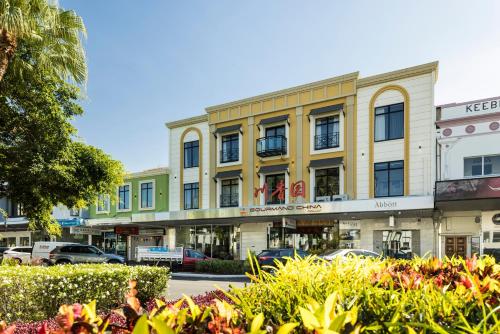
{"x":468,"y":187}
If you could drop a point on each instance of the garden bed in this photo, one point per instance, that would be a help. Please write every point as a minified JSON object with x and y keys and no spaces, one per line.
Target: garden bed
{"x":30,"y":293}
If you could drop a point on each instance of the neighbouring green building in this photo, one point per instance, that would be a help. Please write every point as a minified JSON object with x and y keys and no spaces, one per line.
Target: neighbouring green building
{"x":136,"y":215}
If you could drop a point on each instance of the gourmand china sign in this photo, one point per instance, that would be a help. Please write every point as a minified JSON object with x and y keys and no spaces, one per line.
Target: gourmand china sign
{"x":481,"y":188}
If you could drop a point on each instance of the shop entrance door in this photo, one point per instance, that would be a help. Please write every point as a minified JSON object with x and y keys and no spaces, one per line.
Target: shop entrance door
{"x":456,"y":246}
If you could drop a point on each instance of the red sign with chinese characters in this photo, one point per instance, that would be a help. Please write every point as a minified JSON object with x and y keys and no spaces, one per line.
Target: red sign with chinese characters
{"x":297,"y":189}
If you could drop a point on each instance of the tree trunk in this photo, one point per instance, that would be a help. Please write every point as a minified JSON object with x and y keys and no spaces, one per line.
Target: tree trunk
{"x":8,"y":46}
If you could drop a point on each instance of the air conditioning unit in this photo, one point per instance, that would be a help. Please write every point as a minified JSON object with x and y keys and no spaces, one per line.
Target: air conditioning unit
{"x":323,"y":198}
{"x":342,"y":197}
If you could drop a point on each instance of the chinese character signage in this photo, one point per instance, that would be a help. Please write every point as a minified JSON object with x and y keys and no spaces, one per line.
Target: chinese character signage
{"x":297,"y":189}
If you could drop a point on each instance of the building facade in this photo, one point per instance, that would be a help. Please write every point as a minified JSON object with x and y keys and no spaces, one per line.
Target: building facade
{"x":135,"y":216}
{"x":342,"y":162}
{"x":468,"y":187}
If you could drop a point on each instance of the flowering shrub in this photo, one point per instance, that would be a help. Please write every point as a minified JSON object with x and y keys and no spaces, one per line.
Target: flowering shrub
{"x":35,"y":293}
{"x":449,"y":296}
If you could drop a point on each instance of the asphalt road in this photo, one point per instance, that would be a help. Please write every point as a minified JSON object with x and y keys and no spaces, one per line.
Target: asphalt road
{"x":194,"y":287}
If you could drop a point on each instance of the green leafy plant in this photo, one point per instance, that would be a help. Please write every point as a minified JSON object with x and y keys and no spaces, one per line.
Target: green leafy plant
{"x":30,"y":293}
{"x":217,"y":266}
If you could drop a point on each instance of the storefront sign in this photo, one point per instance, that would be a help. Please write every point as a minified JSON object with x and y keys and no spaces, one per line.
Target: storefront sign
{"x":471,"y":109}
{"x":84,"y":230}
{"x":127,"y":230}
{"x":349,"y":224}
{"x":70,"y":222}
{"x":289,"y":223}
{"x":468,"y":189}
{"x":154,"y":231}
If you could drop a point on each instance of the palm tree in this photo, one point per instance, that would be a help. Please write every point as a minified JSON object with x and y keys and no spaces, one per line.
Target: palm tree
{"x":40,"y":34}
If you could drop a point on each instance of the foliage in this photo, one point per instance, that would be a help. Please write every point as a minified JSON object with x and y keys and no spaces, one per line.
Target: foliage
{"x":35,"y":293}
{"x":453,"y":296}
{"x":39,"y":35}
{"x":216,"y":266}
{"x":40,"y":163}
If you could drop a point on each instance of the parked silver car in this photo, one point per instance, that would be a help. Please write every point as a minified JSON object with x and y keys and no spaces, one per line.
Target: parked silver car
{"x":77,"y":253}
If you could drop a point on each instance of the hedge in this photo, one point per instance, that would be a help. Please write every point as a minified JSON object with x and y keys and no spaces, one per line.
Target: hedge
{"x":29,"y":293}
{"x":216,"y":266}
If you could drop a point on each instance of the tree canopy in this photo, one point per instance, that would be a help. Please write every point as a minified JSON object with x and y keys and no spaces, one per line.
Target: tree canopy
{"x":42,"y":161}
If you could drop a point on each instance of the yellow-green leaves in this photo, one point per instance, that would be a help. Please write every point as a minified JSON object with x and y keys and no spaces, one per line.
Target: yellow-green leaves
{"x":256,"y":325}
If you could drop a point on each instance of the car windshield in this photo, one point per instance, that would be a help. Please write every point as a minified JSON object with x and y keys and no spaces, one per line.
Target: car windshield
{"x":332,"y":253}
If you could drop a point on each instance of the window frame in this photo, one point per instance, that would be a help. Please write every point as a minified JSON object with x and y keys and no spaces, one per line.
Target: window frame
{"x":106,"y":200}
{"x":189,"y":153}
{"x":482,"y":166}
{"x":153,"y":195}
{"x":387,"y":121}
{"x":234,"y":182}
{"x":191,"y":190}
{"x":335,"y":119}
{"x":319,"y":169}
{"x":235,"y":137}
{"x":388,"y":170}
{"x":129,"y":184}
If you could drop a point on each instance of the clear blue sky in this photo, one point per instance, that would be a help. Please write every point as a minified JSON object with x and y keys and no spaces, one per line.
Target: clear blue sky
{"x":145,"y":56}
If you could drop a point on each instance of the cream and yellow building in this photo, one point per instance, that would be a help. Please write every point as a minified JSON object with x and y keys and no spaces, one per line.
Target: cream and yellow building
{"x":343,"y":162}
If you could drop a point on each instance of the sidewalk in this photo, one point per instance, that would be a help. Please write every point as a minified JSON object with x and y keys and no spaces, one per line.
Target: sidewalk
{"x":207,"y":276}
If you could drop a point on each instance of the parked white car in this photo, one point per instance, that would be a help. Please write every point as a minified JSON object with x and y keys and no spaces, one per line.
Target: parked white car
{"x":41,"y":250}
{"x":344,"y":253}
{"x":21,"y":254}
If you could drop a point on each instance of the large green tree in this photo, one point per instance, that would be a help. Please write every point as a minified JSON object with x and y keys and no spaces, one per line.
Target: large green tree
{"x":53,"y":34}
{"x":41,"y":163}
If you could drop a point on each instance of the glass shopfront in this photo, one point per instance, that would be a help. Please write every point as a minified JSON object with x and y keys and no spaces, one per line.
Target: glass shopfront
{"x":217,"y":241}
{"x":312,"y":239}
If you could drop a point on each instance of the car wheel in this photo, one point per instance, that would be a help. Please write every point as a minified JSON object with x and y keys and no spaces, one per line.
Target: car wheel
{"x":18,"y":261}
{"x":63,"y":262}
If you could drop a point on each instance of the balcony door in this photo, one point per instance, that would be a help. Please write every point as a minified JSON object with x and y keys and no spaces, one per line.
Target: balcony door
{"x":326,"y":183}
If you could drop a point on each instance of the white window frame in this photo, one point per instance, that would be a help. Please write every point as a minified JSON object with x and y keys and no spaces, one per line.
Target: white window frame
{"x":219,"y":149}
{"x":153,"y":181}
{"x":262,"y":133}
{"x":312,"y":180}
{"x":312,"y":132}
{"x":108,"y":206}
{"x":219,"y":191}
{"x":482,"y":166}
{"x":262,"y":180}
{"x":129,"y":184}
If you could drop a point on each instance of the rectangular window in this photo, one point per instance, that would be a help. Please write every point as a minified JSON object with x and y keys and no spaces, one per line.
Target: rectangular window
{"x":326,"y":182}
{"x":276,"y":131}
{"x":389,"y":179}
{"x":103,"y":203}
{"x":486,"y":236}
{"x":275,"y":189}
{"x":496,"y":236}
{"x":230,"y":148}
{"x":482,"y":166}
{"x":146,"y":195}
{"x":191,"y":154}
{"x":124,"y":197}
{"x":389,"y":122}
{"x":229,"y":193}
{"x":191,"y":196}
{"x":327,"y":133}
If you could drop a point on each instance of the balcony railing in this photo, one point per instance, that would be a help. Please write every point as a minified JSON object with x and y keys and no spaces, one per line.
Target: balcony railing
{"x":465,"y":189}
{"x":329,"y":140}
{"x":271,"y":146}
{"x":229,"y":155}
{"x":229,"y":200}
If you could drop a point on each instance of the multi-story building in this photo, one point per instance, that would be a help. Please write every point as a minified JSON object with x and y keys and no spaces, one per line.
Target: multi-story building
{"x":468,"y":186}
{"x":342,"y":162}
{"x":136,"y":216}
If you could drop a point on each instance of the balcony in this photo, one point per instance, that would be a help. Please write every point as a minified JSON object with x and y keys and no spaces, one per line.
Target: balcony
{"x":229,"y":155}
{"x":468,"y":194}
{"x":229,"y":200}
{"x":329,"y":140}
{"x":271,"y":146}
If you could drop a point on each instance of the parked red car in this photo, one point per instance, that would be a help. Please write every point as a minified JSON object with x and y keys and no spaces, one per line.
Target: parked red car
{"x":190,"y":258}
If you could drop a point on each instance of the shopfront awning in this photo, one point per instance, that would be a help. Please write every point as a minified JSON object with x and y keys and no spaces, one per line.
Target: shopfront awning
{"x":228,"y":174}
{"x":273,"y":120}
{"x":227,"y":129}
{"x":326,"y":162}
{"x":273,"y":169}
{"x":468,"y":194}
{"x":324,"y":110}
